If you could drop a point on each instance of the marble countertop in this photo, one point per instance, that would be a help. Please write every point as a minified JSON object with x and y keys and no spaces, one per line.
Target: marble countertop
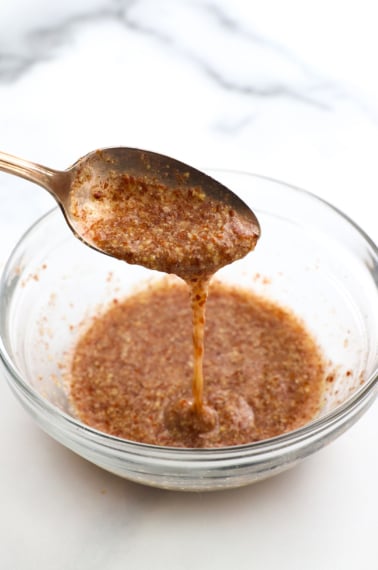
{"x":284,"y":89}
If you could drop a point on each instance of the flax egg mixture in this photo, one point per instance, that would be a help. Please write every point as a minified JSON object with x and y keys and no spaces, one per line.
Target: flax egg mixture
{"x":151,"y":369}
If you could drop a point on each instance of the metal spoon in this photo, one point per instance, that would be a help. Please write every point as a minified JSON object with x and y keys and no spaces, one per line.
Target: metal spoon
{"x":77,"y":181}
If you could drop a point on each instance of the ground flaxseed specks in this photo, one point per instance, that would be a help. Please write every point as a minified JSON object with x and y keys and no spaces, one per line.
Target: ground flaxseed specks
{"x":132,"y":370}
{"x":181,"y":231}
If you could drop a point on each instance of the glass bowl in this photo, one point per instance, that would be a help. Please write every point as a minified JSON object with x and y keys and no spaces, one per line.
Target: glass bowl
{"x":310,"y":258}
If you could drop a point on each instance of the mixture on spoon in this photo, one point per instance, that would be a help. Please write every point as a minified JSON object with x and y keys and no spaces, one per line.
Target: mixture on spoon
{"x":132,"y":371}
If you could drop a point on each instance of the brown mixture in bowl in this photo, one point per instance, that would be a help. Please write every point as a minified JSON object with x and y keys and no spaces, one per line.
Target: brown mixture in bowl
{"x":132,"y":369}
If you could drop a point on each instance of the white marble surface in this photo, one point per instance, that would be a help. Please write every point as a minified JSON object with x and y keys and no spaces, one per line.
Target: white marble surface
{"x":287,"y":89}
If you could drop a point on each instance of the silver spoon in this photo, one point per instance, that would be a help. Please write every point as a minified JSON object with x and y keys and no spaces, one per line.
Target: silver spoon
{"x":75,"y":184}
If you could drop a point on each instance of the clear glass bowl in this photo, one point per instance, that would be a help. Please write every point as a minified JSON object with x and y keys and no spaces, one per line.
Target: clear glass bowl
{"x":310,"y":258}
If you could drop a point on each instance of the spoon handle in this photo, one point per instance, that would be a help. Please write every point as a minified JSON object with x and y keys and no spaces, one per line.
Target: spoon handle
{"x":29,"y":170}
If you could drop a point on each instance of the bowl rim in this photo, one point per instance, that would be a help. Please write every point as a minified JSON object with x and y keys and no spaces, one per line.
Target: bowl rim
{"x":352,"y":407}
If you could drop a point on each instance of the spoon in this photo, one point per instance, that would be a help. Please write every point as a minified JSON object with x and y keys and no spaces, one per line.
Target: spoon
{"x":75,"y":189}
